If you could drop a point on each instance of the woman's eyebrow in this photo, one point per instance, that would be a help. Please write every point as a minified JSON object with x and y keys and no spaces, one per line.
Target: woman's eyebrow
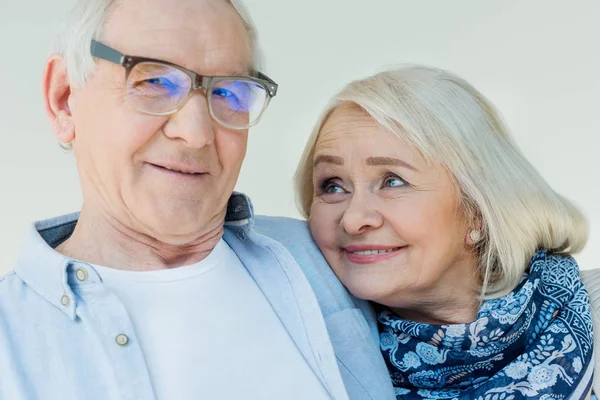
{"x":324,"y":158}
{"x":389,"y":161}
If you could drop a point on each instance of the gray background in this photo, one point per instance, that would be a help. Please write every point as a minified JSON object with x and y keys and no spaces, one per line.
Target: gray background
{"x":537,"y":60}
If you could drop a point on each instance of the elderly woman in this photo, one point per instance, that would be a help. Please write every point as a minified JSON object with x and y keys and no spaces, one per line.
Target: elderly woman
{"x":422,"y":203}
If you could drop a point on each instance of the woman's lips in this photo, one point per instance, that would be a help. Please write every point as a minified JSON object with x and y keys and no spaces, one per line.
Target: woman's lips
{"x":367,"y":254}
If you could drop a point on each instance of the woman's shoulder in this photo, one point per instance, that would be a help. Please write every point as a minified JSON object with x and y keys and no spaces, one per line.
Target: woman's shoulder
{"x":591,"y":281}
{"x":590,"y":273}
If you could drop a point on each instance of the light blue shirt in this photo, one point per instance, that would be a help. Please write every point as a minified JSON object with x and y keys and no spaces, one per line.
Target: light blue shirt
{"x":64,"y":336}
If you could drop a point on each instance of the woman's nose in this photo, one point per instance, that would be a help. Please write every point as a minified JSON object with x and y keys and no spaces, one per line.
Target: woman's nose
{"x":360,"y":216}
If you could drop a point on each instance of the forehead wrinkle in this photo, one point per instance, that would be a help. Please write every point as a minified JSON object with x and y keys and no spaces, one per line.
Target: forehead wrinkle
{"x":348,"y":126}
{"x":214,"y":60}
{"x":207,"y":37}
{"x":362,"y":133}
{"x":347,"y":119}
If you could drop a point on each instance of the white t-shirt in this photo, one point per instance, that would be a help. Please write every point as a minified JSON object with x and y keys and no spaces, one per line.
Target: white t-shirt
{"x":208,"y":332}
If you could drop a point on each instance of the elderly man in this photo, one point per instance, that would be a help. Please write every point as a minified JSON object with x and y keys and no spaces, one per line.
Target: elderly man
{"x":166,"y":285}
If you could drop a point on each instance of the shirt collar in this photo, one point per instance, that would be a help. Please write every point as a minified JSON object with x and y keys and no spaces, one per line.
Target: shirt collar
{"x":239,"y":210}
{"x":42,"y":268}
{"x":52,"y":275}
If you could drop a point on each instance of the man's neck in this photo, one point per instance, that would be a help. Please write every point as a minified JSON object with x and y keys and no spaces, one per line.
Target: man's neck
{"x":102,"y":240}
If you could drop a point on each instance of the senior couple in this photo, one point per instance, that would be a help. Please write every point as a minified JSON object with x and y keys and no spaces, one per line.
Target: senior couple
{"x":434,"y":263}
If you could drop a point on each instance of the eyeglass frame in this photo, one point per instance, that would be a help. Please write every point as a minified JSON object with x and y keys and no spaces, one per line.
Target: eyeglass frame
{"x":104,"y":52}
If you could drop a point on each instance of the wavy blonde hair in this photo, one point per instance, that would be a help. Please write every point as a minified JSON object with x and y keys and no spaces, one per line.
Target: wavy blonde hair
{"x":454,"y":125}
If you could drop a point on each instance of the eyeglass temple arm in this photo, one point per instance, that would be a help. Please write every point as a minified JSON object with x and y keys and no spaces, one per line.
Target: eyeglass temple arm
{"x":104,"y":52}
{"x":272,"y":85}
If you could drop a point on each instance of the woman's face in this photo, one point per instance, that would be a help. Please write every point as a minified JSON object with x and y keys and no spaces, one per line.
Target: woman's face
{"x":387,"y":222}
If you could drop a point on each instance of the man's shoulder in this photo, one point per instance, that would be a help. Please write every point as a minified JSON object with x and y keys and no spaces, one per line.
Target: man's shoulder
{"x":19,"y":304}
{"x":294,"y":236}
{"x":288,"y":231}
{"x":351,"y":323}
{"x":277,"y":223}
{"x":9,"y":283}
{"x":14,"y":292}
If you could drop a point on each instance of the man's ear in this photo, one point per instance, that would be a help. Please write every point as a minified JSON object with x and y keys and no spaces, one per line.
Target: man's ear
{"x":57,"y":91}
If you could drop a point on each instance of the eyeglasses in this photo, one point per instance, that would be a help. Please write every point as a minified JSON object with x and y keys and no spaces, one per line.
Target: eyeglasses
{"x":158,"y":87}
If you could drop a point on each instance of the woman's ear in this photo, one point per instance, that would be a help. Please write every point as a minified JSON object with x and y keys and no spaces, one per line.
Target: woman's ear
{"x":57,"y":92}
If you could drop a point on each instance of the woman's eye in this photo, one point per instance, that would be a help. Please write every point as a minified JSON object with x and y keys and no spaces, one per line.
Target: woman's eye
{"x":333,"y":189}
{"x":393,"y":181}
{"x":329,"y":187}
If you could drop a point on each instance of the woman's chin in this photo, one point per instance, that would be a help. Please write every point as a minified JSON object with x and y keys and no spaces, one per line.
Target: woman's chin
{"x":367,"y":290}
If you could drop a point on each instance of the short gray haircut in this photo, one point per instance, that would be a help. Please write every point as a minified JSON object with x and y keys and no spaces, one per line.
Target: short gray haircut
{"x":455,"y":126}
{"x":86,"y":22}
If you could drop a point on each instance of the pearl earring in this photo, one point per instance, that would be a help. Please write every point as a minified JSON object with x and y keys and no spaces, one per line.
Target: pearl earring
{"x":475,"y":235}
{"x":66,"y":147}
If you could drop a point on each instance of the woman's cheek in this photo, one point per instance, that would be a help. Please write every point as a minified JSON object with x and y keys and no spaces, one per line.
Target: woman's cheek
{"x":323,"y":224}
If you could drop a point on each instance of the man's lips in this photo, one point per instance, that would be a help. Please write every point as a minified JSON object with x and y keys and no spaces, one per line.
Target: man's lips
{"x":180,"y":168}
{"x":371,"y":253}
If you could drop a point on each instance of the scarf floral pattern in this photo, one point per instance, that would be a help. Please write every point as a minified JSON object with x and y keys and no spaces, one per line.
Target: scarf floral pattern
{"x":534,"y":343}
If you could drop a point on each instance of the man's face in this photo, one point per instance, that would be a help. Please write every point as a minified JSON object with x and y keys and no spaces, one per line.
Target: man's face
{"x":129,"y":161}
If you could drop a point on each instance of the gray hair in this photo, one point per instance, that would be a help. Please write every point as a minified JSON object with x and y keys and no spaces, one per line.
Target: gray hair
{"x":455,"y":126}
{"x":86,"y":22}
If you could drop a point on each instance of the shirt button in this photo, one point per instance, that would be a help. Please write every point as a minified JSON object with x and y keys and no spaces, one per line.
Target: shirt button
{"x":241,"y":235}
{"x":81,"y":274}
{"x":65,"y":300}
{"x":122,"y":339}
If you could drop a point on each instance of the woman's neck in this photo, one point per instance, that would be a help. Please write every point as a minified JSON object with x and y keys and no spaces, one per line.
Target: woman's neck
{"x":452,"y":300}
{"x":449,"y":311}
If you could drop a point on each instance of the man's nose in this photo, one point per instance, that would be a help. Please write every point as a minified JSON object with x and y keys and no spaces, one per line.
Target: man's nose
{"x":192,"y":123}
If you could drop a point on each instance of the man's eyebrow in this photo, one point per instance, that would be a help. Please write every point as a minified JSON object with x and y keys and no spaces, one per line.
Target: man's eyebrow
{"x":324,"y":158}
{"x":389,"y":161}
{"x":241,"y":73}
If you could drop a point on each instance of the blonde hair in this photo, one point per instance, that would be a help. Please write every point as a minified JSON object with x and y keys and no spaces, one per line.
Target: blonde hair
{"x":86,"y":22}
{"x":454,"y":125}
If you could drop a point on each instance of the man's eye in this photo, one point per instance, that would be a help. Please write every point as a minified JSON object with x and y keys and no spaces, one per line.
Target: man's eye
{"x":154,"y":81}
{"x":220,"y":92}
{"x":160,"y":81}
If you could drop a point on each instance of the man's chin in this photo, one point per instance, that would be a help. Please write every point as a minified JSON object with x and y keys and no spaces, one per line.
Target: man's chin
{"x":176,"y":222}
{"x":176,"y":232}
{"x":165,"y":222}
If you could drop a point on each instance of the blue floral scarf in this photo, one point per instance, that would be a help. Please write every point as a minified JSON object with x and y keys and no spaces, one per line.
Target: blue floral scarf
{"x":534,"y":343}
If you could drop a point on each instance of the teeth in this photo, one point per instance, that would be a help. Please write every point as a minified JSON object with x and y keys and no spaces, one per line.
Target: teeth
{"x":371,"y":252}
